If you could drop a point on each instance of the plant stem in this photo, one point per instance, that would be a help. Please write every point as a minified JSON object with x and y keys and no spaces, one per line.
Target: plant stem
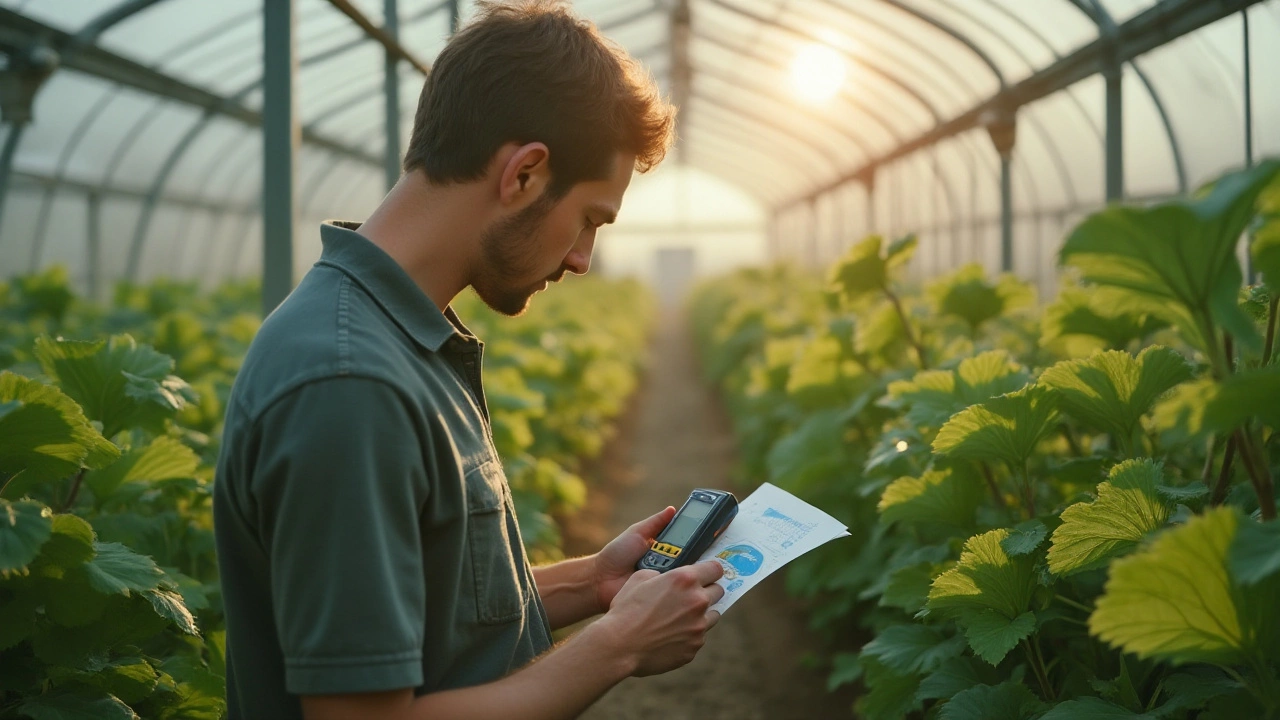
{"x":1037,"y":667}
{"x":906,"y":328}
{"x":1271,"y":330}
{"x":991,"y":483}
{"x":1029,"y":498}
{"x":1071,"y":440}
{"x":1224,"y":475}
{"x":1259,"y":473}
{"x":75,"y":490}
{"x":1207,"y":470}
{"x":1073,"y":603}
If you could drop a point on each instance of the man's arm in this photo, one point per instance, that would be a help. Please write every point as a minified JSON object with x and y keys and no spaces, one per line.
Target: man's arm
{"x":574,"y":590}
{"x":656,"y":623}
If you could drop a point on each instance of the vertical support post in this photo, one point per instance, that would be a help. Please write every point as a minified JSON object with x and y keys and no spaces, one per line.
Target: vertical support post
{"x":391,"y":87}
{"x":1250,"y":273}
{"x":680,"y":30}
{"x":280,"y":138}
{"x":455,"y":15}
{"x":1115,"y":132}
{"x":811,"y":236}
{"x":94,"y":241}
{"x":6,"y":162}
{"x":1002,"y":126}
{"x":869,"y":187}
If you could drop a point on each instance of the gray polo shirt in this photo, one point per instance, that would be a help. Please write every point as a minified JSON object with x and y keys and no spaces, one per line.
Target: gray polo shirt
{"x":365,"y":531}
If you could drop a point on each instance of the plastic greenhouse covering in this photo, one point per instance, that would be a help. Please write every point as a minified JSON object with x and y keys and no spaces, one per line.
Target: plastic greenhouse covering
{"x":122,"y":170}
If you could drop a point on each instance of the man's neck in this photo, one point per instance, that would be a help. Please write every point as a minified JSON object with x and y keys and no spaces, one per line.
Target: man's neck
{"x":431,"y":231}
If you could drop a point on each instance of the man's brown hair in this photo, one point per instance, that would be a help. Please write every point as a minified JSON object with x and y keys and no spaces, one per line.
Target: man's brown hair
{"x":531,"y":71}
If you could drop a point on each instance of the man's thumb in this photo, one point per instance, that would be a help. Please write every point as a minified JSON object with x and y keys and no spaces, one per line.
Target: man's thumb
{"x":651,"y":526}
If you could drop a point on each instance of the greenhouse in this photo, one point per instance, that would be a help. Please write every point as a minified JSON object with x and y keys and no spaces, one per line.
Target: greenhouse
{"x":960,"y":315}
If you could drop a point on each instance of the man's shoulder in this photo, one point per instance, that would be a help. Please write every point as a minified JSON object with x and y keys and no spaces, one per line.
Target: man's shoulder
{"x":328,"y":328}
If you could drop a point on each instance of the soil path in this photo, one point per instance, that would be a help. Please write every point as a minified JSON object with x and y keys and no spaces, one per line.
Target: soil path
{"x":676,"y":438}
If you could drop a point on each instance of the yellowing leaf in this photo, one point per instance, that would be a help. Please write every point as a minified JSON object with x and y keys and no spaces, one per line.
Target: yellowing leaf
{"x":1003,"y":428}
{"x":1128,"y":508}
{"x":1175,"y":600}
{"x":988,"y":592}
{"x":939,"y":497}
{"x":1112,"y":390}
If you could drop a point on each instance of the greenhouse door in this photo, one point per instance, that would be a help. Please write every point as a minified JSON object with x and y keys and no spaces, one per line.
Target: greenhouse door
{"x":673,"y":273}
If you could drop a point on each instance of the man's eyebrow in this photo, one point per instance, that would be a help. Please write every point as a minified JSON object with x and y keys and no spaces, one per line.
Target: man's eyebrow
{"x":609,"y":214}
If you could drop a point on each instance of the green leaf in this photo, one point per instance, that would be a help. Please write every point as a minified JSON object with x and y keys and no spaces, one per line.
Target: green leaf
{"x":846,"y":667}
{"x":1006,"y":701}
{"x":1192,"y":688}
{"x":25,"y":525}
{"x":162,"y":459}
{"x":1191,"y":491}
{"x":1094,"y":313}
{"x":1003,"y":428}
{"x":1128,"y":508}
{"x":864,"y":270}
{"x":47,"y":437}
{"x":1112,"y":390}
{"x":1176,"y":258}
{"x":933,"y":396}
{"x":952,"y":676}
{"x":890,"y":695}
{"x":1174,"y":600}
{"x":1265,"y":248}
{"x":880,"y":332}
{"x":811,"y":450}
{"x":74,"y":706}
{"x":912,"y":648}
{"x":170,"y":606}
{"x":71,"y":543}
{"x":985,"y":578}
{"x":1024,"y":538}
{"x":992,"y":635}
{"x":131,"y":679}
{"x":17,"y":619}
{"x":908,"y":587}
{"x":1092,"y":709}
{"x":1244,"y":395}
{"x":946,"y":498}
{"x":118,"y":570}
{"x":118,"y":382}
{"x":1255,"y":552}
{"x":966,"y":294}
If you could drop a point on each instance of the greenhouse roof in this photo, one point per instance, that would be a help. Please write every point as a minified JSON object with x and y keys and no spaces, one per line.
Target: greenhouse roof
{"x":150,"y":121}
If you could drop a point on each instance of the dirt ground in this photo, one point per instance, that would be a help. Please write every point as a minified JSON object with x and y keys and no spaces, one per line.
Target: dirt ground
{"x":675,"y":437}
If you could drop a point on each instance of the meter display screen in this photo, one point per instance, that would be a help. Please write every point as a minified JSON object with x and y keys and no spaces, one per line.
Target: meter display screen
{"x":681,"y":529}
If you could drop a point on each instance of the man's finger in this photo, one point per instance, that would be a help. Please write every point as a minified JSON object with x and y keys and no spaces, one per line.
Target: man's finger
{"x":713,"y":617}
{"x":707,"y":572}
{"x":652,"y":525}
{"x":642,"y":575}
{"x":714,"y":591}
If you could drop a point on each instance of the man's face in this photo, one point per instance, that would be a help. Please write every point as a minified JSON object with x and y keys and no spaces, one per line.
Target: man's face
{"x":538,"y":244}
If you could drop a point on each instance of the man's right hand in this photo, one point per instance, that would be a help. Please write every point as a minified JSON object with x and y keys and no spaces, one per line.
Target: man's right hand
{"x":661,"y":619}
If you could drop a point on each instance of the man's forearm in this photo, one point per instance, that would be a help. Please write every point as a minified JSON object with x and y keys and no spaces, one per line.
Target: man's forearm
{"x":558,"y":686}
{"x":568,"y":590}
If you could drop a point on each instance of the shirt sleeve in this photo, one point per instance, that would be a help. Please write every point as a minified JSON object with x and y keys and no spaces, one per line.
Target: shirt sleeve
{"x":339,"y":480}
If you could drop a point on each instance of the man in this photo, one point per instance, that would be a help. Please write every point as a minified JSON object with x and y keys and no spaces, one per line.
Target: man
{"x":370,"y":558}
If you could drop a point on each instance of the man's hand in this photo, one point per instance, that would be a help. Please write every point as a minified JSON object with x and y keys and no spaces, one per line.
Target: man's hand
{"x":660,"y":621}
{"x":615,"y":564}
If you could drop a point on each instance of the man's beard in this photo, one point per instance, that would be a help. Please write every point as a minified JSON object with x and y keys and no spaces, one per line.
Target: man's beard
{"x":508,"y":255}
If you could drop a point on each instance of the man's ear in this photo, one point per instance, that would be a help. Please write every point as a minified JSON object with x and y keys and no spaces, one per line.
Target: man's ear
{"x":526,"y":175}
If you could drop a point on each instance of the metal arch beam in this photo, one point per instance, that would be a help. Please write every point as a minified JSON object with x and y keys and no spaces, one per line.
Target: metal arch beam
{"x":718,"y":144}
{"x":1107,"y":26}
{"x":858,"y":18}
{"x":758,"y":92}
{"x":195,"y":202}
{"x":1145,"y":31}
{"x":381,"y":36}
{"x":92,"y":30}
{"x":955,"y":34}
{"x":857,"y":103}
{"x":872,"y":67}
{"x":729,"y":119}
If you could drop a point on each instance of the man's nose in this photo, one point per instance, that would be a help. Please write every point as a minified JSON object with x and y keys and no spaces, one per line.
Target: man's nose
{"x":578,"y":261}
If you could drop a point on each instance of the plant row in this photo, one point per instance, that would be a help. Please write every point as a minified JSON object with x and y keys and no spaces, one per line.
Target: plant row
{"x":110,"y":423}
{"x":1058,"y":512}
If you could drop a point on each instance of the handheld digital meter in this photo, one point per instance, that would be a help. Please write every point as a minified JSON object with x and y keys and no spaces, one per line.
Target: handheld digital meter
{"x":702,"y":518}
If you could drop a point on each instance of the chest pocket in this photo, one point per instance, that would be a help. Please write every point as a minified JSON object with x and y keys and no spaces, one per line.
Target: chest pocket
{"x":490,"y":540}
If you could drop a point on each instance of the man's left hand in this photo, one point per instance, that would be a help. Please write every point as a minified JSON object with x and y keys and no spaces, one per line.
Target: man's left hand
{"x":616,"y":562}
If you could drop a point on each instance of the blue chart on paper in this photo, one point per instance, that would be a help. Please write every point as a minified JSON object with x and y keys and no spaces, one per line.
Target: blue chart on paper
{"x":744,"y":559}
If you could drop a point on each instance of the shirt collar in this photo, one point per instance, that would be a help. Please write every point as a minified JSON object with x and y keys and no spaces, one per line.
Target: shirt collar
{"x":389,"y":285}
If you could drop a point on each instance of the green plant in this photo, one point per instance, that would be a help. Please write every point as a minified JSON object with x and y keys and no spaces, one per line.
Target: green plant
{"x":1059,"y":514}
